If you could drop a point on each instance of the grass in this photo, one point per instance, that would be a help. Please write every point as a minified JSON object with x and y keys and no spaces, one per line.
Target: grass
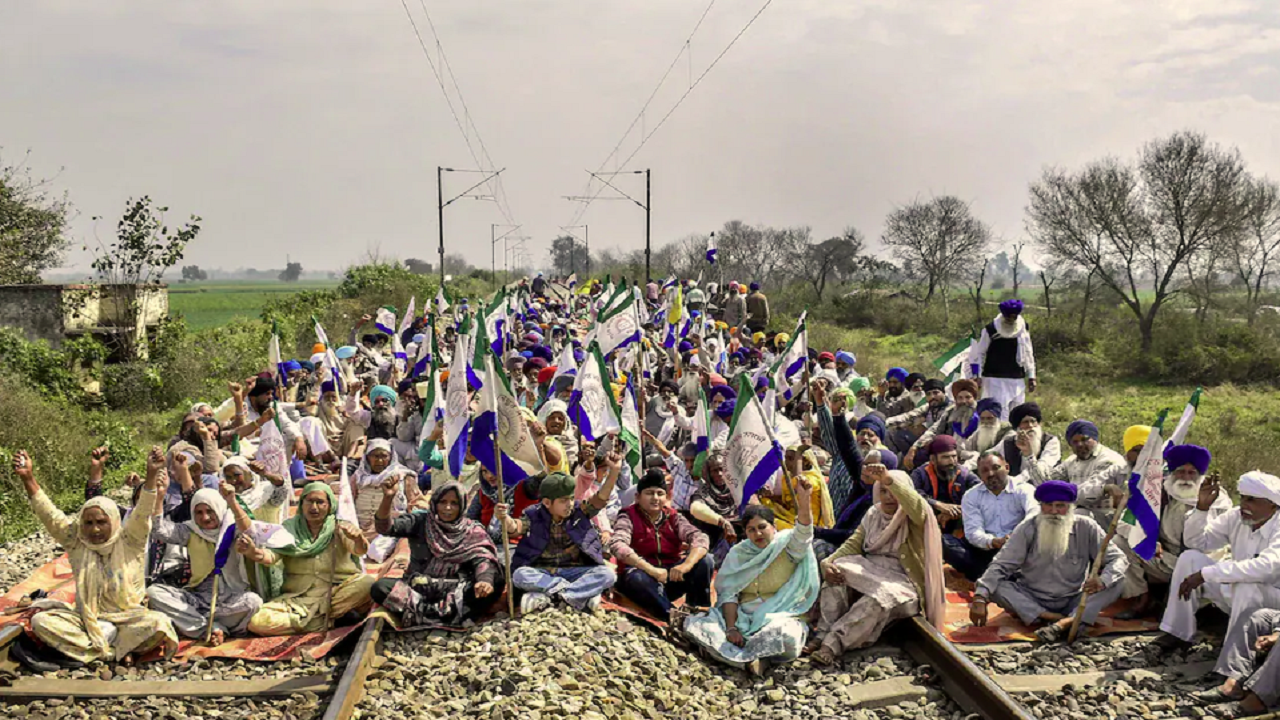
{"x":207,"y":305}
{"x":1239,"y":425}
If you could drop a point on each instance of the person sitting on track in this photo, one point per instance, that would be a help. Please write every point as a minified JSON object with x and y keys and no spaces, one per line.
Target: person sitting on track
{"x":560,"y":553}
{"x":1029,"y":444}
{"x":648,"y":542}
{"x":324,"y":581}
{"x":782,"y":498}
{"x":1091,"y":468}
{"x":767,"y":582}
{"x":892,"y":565}
{"x":379,"y":465}
{"x":942,"y":482}
{"x":1042,"y":570}
{"x":108,"y":563}
{"x":263,"y":494}
{"x":1247,"y":581}
{"x":1252,"y":666}
{"x":1187,"y":467}
{"x":991,"y":512}
{"x":188,"y":607}
{"x":454,"y":574}
{"x":714,"y":510}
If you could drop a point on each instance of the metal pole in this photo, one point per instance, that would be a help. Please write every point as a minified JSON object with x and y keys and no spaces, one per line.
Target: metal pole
{"x":648,"y":203}
{"x":586,"y":236}
{"x":493,"y":264}
{"x":440,"y":206}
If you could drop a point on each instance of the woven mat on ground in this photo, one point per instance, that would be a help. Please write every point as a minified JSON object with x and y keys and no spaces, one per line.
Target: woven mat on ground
{"x":55,"y":578}
{"x":1005,"y":627}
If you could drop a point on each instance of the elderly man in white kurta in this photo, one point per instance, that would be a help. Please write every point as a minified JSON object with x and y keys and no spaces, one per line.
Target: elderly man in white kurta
{"x":1091,"y":467}
{"x":1248,"y":581}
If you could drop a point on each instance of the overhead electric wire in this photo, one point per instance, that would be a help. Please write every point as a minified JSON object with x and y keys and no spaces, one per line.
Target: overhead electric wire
{"x":665,"y":117}
{"x":466,"y":138}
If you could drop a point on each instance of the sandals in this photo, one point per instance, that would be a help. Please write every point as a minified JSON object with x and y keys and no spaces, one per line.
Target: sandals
{"x":1052,"y":633}
{"x":823,"y":656}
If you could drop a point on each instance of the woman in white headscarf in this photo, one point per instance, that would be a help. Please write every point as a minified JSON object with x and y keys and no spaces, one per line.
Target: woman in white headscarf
{"x":189,"y":607}
{"x":554,"y":416}
{"x":380,"y":463}
{"x":108,"y":562}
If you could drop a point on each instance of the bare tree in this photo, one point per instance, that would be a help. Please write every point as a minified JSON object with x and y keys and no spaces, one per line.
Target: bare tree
{"x":1252,"y":254}
{"x":831,"y":260}
{"x":1119,"y":222}
{"x":935,"y":240}
{"x":1017,"y":260}
{"x":975,"y":290}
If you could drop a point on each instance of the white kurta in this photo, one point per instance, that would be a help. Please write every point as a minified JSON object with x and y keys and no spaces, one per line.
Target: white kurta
{"x":1246,"y":582}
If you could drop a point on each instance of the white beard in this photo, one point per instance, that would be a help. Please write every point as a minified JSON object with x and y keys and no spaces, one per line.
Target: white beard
{"x":1036,"y":435}
{"x":985,"y":437}
{"x":865,"y":448}
{"x":1185,"y":493}
{"x":1053,"y":535}
{"x":1010,"y":329}
{"x":917,"y":396}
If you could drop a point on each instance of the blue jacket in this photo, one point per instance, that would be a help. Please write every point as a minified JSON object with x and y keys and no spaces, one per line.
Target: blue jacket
{"x":581,"y":531}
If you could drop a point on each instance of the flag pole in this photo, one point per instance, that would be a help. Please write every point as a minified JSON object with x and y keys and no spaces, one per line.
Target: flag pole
{"x":213,"y":605}
{"x":1097,"y":566}
{"x":642,"y":395}
{"x":502,"y":489}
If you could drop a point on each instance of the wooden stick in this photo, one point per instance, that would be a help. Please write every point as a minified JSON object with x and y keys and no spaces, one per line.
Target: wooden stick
{"x":213,"y":605}
{"x":1097,"y":566}
{"x":506,"y":539}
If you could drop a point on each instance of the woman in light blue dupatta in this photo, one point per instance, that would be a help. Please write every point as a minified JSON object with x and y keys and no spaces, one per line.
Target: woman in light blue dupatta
{"x":767,"y":583}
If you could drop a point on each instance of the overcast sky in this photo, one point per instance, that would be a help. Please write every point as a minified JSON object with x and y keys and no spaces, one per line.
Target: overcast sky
{"x":314,"y":129}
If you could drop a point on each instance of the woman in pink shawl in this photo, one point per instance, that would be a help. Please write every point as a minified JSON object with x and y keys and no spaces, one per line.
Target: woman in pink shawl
{"x":891,"y":568}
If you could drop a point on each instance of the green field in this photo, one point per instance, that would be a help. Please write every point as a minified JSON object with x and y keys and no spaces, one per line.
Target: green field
{"x":210,"y":304}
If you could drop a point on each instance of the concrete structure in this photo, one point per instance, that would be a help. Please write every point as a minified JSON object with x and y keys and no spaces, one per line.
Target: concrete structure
{"x":56,"y":312}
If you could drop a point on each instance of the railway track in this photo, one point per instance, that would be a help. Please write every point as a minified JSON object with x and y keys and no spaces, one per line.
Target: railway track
{"x":995,"y":697}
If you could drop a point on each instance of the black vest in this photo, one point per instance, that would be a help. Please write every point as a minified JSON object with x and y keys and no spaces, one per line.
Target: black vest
{"x":1002,"y":356}
{"x":1013,"y":455}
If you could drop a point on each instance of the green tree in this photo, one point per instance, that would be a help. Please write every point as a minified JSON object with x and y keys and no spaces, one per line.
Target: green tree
{"x":32,"y":222}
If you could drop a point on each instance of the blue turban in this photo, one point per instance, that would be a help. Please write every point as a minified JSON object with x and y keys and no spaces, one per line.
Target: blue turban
{"x":755,"y":286}
{"x":1011,"y":307}
{"x":291,"y":365}
{"x":723,"y":391}
{"x":896,"y":373}
{"x":1178,"y":455}
{"x":846,"y":357}
{"x":419,"y":338}
{"x":762,"y":382}
{"x":578,"y":355}
{"x":346,"y":352}
{"x":874,"y":423}
{"x":725,"y":409}
{"x":684,"y":346}
{"x":526,"y":354}
{"x":1082,"y":427}
{"x":1052,"y":491}
{"x":542,"y":351}
{"x":738,"y":355}
{"x":328,"y":386}
{"x":992,"y":405}
{"x":307,"y":365}
{"x":380,"y":391}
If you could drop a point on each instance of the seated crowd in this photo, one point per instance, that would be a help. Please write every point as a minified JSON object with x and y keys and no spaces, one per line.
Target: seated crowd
{"x":882,"y":488}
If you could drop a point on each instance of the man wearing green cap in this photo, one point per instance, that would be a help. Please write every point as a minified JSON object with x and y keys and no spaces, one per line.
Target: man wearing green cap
{"x":560,"y":555}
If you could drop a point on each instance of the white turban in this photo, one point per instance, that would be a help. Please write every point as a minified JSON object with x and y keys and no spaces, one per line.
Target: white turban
{"x":1261,"y":485}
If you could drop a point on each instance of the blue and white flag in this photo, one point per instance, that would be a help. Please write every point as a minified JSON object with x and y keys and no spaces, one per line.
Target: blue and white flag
{"x":573,"y":280}
{"x":385,"y":320}
{"x":424,"y":357}
{"x":408,"y":318}
{"x":1146,"y":483}
{"x":334,"y":370}
{"x":591,"y":406}
{"x":711,"y":249}
{"x":432,"y":404}
{"x":226,"y":540}
{"x":629,"y":419}
{"x":442,"y":301}
{"x":1146,"y":491}
{"x":702,"y":424}
{"x":275,"y":359}
{"x":566,"y":365}
{"x":500,"y":421}
{"x":457,"y":409}
{"x":618,"y":328}
{"x":752,"y":456}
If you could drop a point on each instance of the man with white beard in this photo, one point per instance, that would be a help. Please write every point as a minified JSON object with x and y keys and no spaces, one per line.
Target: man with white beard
{"x":1029,"y":444}
{"x":1003,"y":357}
{"x":869,"y":433}
{"x":1187,"y":466}
{"x":1045,"y":565}
{"x":991,"y":431}
{"x":960,"y":421}
{"x":1240,"y":585}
